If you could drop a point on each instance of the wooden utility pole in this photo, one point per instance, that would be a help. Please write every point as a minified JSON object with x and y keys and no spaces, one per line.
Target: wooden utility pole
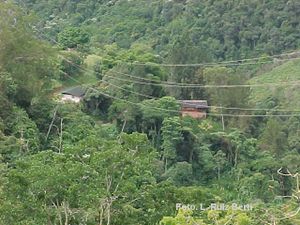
{"x":125,"y":121}
{"x":61,"y":135}
{"x":222,"y":117}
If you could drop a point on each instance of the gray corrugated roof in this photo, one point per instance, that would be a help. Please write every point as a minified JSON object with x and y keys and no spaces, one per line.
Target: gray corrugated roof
{"x":77,"y":91}
{"x":197,"y":104}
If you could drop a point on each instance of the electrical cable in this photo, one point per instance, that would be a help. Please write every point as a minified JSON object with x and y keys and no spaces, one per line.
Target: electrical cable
{"x":208,"y":86}
{"x":177,"y":111}
{"x":213,"y":107}
{"x":281,"y":84}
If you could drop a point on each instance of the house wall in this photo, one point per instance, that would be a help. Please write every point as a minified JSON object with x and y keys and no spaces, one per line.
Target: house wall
{"x":194,"y":113}
{"x":70,"y":98}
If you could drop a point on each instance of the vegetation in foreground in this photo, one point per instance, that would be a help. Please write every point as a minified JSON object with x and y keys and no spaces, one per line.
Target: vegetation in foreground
{"x":121,"y":157}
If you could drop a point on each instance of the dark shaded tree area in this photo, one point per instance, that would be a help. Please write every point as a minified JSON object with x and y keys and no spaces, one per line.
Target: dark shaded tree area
{"x":226,"y":29}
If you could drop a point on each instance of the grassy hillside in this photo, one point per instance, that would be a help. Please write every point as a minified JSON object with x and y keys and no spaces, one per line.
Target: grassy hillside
{"x":284,"y":96}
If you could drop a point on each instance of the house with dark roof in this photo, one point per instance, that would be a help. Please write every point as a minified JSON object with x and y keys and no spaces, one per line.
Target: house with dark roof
{"x":194,"y":108}
{"x":73,"y":94}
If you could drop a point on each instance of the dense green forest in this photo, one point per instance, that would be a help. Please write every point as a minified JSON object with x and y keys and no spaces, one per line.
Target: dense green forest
{"x":124,"y":155}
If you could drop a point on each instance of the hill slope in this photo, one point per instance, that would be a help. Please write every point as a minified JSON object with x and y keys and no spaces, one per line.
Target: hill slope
{"x":283,"y":96}
{"x":227,"y":29}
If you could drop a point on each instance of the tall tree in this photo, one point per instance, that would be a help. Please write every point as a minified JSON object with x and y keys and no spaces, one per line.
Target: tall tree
{"x":27,"y":59}
{"x":172,"y":136}
{"x":273,"y":138}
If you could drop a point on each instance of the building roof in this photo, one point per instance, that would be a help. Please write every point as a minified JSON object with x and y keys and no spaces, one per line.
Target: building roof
{"x":77,"y":91}
{"x":196,"y":104}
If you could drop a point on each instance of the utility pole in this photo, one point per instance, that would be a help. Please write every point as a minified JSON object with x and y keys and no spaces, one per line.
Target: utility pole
{"x":222,"y":117}
{"x":61,"y":136}
{"x":125,"y":121}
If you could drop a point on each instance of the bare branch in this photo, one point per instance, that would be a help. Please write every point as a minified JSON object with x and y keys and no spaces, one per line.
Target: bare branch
{"x":51,"y":124}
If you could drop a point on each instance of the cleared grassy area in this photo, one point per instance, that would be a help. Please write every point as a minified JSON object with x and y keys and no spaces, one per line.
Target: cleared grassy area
{"x":86,"y":76}
{"x":287,"y":96}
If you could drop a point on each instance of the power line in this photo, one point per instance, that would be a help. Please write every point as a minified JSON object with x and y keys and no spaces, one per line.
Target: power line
{"x":209,"y":106}
{"x":177,"y":111}
{"x":281,"y":84}
{"x":124,"y":89}
{"x":238,"y":62}
{"x":194,"y":86}
{"x":223,"y":63}
{"x":186,"y":85}
{"x":212,"y":107}
{"x":176,"y":83}
{"x":208,"y":86}
{"x":228,"y":63}
{"x":137,"y":63}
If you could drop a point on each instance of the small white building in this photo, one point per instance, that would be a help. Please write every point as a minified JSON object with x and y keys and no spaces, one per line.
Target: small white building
{"x":73,"y":94}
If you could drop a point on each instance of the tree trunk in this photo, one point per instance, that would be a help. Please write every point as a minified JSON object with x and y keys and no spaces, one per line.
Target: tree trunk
{"x":191,"y":155}
{"x":66,"y":209}
{"x":236,"y":157}
{"x":61,"y":135}
{"x":166,"y":165}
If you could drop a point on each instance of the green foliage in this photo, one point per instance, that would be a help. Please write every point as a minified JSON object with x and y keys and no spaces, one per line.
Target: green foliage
{"x":185,"y":217}
{"x":24,"y":129}
{"x":70,"y":65}
{"x":96,"y":104}
{"x":154,"y":111}
{"x":40,"y":111}
{"x":113,"y":161}
{"x":279,"y":97}
{"x":180,"y":174}
{"x":25,"y":62}
{"x":159,"y":109}
{"x":293,"y":135}
{"x":182,"y":218}
{"x":258,"y":186}
{"x":71,"y":37}
{"x":78,"y":181}
{"x":223,"y":29}
{"x":220,"y":161}
{"x":172,"y":136}
{"x":226,"y":97}
{"x":273,"y":138}
{"x":10,"y":148}
{"x":8,"y":85}
{"x":184,"y":52}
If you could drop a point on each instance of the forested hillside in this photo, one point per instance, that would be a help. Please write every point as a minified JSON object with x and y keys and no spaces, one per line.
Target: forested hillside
{"x":124,"y":154}
{"x":223,"y":29}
